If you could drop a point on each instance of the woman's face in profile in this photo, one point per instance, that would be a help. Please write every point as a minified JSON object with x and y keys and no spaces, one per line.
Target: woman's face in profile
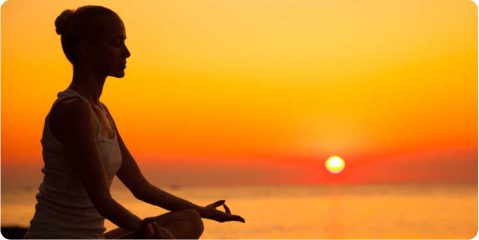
{"x":110,"y":52}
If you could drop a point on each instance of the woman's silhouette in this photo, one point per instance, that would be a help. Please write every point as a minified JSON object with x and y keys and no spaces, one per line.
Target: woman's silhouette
{"x":83,"y":150}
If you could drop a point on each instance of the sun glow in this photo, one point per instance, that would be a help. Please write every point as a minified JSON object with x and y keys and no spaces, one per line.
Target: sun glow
{"x":335,"y":164}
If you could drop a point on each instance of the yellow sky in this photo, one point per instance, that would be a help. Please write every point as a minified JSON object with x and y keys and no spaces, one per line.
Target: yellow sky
{"x":260,"y":79}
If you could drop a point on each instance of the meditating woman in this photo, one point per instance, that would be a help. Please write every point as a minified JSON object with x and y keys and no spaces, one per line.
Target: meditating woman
{"x":83,"y":149}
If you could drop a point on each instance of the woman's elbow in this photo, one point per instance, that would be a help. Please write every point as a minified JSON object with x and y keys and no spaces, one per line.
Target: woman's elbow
{"x":139,"y":195}
{"x":141,"y":192}
{"x":102,"y":204}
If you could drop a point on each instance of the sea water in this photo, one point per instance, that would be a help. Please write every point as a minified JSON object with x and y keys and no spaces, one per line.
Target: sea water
{"x":309,"y":211}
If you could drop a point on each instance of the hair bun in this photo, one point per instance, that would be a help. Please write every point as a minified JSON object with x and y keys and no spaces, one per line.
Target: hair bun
{"x":63,"y":21}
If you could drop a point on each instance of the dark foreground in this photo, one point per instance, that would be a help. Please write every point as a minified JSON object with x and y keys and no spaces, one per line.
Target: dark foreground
{"x":13,"y":232}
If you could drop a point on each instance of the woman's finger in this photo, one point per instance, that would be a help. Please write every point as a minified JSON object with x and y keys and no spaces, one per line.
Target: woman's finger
{"x":216,"y":204}
{"x":150,"y":232}
{"x":227,"y":209}
{"x":166,"y":234}
{"x":157,"y":229}
{"x":236,"y":218}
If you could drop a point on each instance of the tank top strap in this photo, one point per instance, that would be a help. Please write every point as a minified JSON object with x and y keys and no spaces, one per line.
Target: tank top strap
{"x":112,"y":123}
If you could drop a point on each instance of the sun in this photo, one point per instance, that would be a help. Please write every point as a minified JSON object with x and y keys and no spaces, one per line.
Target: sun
{"x":335,"y":164}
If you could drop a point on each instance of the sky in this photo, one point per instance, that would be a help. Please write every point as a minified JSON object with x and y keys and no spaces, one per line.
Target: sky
{"x":245,"y":92}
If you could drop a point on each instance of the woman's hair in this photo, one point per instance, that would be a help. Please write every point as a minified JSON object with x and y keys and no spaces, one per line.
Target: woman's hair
{"x":86,"y":23}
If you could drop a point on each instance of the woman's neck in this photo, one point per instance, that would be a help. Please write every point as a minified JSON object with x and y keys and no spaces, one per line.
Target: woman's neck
{"x":89,"y":85}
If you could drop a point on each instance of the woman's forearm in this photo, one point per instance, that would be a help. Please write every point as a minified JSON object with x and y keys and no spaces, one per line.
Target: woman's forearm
{"x":117,"y":214}
{"x":155,"y":196}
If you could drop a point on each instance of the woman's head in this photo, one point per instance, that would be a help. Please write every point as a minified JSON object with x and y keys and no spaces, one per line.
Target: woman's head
{"x":94,"y":36}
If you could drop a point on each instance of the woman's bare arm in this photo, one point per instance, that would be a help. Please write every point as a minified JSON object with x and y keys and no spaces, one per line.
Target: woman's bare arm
{"x":73,"y":124}
{"x":130,"y":174}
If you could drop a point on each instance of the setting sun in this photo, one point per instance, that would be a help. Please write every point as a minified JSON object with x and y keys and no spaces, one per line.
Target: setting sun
{"x":335,"y":164}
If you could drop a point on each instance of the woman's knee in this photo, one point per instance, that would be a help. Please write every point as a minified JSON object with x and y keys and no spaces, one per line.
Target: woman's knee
{"x":194,"y":218}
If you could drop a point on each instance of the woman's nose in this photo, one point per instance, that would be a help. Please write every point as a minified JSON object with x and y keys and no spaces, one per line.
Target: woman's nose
{"x":126,"y":52}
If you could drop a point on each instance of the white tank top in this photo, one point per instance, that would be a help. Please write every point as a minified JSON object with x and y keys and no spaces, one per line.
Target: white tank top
{"x":63,"y":208}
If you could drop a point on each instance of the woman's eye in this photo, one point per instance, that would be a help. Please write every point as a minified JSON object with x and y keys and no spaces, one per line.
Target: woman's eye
{"x":118,"y":43}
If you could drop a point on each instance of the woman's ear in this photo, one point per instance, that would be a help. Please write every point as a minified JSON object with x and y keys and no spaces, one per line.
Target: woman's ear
{"x":84,"y":51}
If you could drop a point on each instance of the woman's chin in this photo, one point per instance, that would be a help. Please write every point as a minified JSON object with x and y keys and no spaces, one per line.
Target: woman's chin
{"x":119,"y":74}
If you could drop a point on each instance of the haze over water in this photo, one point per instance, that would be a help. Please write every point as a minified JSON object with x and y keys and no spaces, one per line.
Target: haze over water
{"x":311,"y":211}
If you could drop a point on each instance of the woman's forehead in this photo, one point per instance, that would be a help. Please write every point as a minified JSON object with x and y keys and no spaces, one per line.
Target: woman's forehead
{"x":115,"y":28}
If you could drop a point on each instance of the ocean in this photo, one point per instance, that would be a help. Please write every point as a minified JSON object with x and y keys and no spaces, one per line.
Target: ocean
{"x":309,"y":211}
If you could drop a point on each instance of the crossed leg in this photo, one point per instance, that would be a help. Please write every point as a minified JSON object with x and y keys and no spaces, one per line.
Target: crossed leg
{"x":184,"y":224}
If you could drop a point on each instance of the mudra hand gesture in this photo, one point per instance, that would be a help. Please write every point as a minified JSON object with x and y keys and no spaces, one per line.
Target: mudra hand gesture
{"x":211,"y":212}
{"x":150,"y":228}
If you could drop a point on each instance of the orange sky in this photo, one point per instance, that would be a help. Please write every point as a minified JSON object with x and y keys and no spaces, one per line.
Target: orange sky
{"x":272,"y":84}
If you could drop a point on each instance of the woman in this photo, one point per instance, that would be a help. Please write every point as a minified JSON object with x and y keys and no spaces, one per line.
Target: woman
{"x":83,"y":150}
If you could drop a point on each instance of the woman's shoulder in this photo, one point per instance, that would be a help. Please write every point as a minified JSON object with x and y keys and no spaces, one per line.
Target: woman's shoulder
{"x":70,"y":107}
{"x":69,"y":116}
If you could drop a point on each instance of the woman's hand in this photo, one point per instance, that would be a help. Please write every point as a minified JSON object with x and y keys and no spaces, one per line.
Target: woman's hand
{"x":150,"y":228}
{"x":211,"y":212}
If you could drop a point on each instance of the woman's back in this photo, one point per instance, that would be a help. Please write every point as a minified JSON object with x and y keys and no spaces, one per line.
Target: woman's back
{"x":63,"y":207}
